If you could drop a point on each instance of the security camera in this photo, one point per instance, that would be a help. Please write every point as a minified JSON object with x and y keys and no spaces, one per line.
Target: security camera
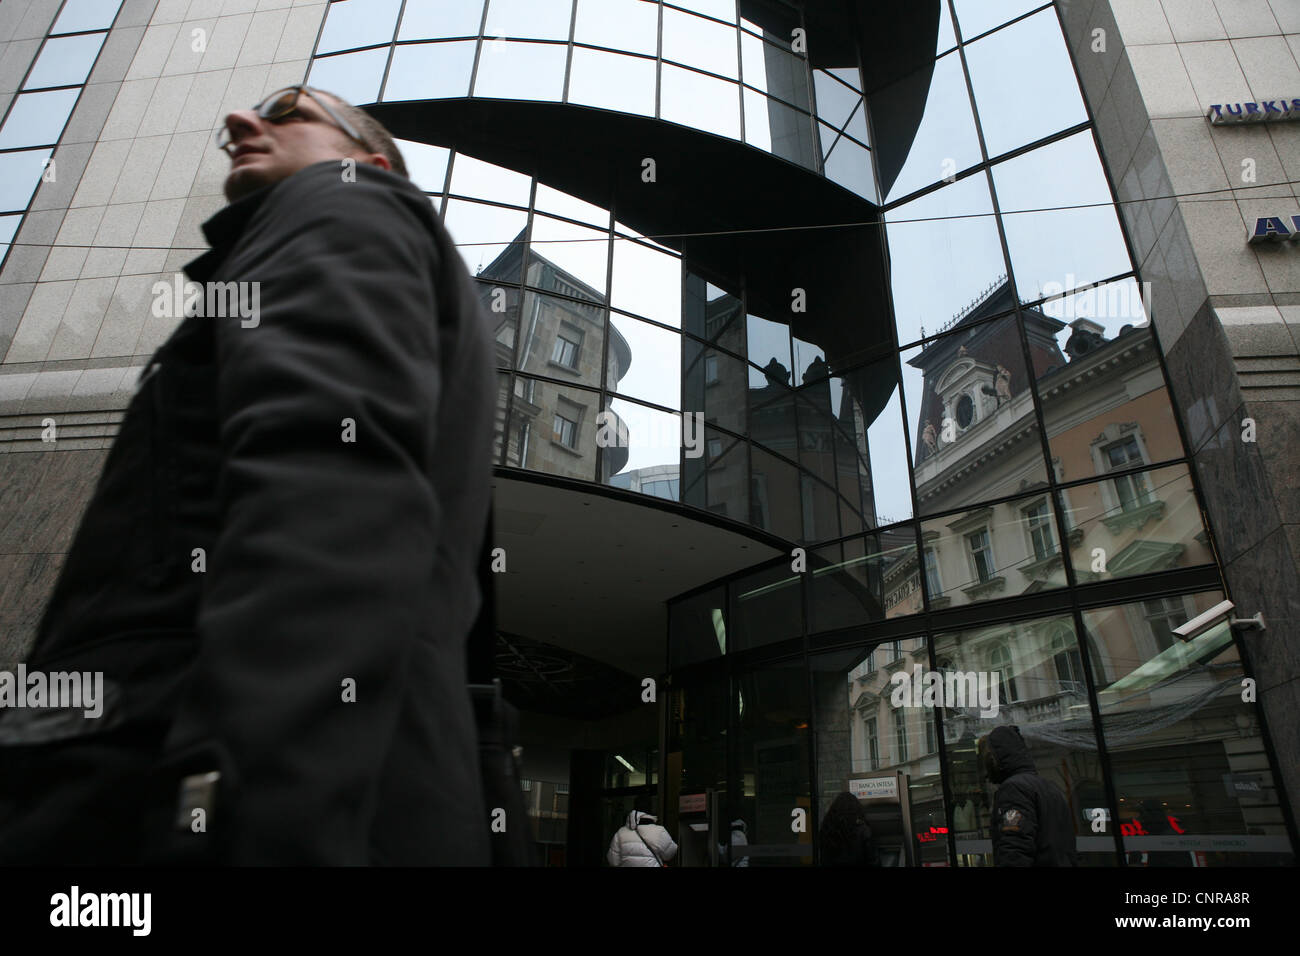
{"x":1203,"y":622}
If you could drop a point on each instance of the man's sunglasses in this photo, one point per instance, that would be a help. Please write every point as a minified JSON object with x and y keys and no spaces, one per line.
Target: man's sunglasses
{"x":282,"y":104}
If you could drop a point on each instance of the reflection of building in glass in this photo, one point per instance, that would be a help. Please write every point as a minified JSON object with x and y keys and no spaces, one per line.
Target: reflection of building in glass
{"x":864,"y":271}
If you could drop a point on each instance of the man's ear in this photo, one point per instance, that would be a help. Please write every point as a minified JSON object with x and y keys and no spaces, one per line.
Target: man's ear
{"x":378,"y":159}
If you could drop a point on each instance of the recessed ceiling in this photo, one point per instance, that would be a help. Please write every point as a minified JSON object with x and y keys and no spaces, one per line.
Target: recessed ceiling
{"x":591,"y":570}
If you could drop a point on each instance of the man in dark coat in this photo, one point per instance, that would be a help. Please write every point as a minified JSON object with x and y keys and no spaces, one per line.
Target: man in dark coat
{"x":277,"y":571}
{"x":1031,"y":819}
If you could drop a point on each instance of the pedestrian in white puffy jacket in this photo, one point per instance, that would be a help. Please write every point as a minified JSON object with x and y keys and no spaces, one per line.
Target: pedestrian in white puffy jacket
{"x":640,"y":842}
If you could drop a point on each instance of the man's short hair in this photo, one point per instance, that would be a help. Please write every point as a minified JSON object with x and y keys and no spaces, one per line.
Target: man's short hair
{"x":372,"y":131}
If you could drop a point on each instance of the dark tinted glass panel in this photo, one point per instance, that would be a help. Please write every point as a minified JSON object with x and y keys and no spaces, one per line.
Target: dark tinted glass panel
{"x":1025,"y":675}
{"x":865,"y":746}
{"x":1186,"y":751}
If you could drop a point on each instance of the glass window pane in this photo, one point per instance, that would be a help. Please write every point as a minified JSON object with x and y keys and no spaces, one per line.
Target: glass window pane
{"x":641,"y":443}
{"x":553,"y":428}
{"x":821,"y":509}
{"x":1135,"y":523}
{"x":767,"y":607}
{"x":863,"y":738}
{"x":655,"y":374}
{"x":430,"y":71}
{"x":530,"y":19}
{"x":774,"y":495}
{"x":435,"y":19}
{"x":972,"y":417}
{"x":569,"y":259}
{"x":631,"y":25}
{"x":947,"y":36}
{"x":521,"y":71}
{"x":562,"y":204}
{"x":703,"y":102}
{"x":995,"y":551}
{"x":647,"y":282}
{"x":473,"y":177}
{"x":562,"y":338}
{"x":773,"y":753}
{"x":699,"y":43}
{"x":484,"y":235}
{"x":868,"y":397}
{"x":945,"y":141}
{"x":1187,"y":755}
{"x":613,"y":81}
{"x":350,"y":24}
{"x":717,"y":480}
{"x":721,"y":9}
{"x":999,"y":64}
{"x":980,"y":16}
{"x":8,"y":226}
{"x":775,"y":71}
{"x":501,"y":306}
{"x":1090,"y":382}
{"x":768,"y":348}
{"x":65,"y":61}
{"x":79,"y":15}
{"x":1064,"y":248}
{"x":835,"y":101}
{"x":850,"y":165}
{"x":1011,"y":675}
{"x":697,"y":628}
{"x":426,"y":164}
{"x":355,"y":77}
{"x":37,"y":119}
{"x":20,"y":173}
{"x":716,"y":384}
{"x":863,"y":580}
{"x":951,"y":233}
{"x":779,"y":129}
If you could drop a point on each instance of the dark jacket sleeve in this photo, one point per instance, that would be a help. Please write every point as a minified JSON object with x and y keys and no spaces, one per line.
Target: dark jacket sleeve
{"x":1015,"y":825}
{"x":326,"y":546}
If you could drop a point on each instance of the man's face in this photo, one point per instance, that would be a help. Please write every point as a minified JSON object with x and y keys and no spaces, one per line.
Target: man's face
{"x":264,"y":151}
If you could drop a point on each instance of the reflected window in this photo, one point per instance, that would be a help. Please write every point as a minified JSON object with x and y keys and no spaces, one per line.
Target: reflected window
{"x":932,"y":582}
{"x":981,"y":555}
{"x":568,"y":343}
{"x":1000,"y":664}
{"x":567,"y":417}
{"x":1038,"y":523}
{"x":1068,"y":662}
{"x":900,"y":736}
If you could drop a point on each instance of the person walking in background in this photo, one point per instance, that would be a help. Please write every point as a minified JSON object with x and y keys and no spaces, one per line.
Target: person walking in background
{"x":1031,"y":818}
{"x":640,"y":842}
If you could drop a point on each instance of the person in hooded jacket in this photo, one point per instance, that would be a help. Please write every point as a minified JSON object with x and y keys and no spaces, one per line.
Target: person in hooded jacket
{"x":1031,"y":818}
{"x":640,"y":842}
